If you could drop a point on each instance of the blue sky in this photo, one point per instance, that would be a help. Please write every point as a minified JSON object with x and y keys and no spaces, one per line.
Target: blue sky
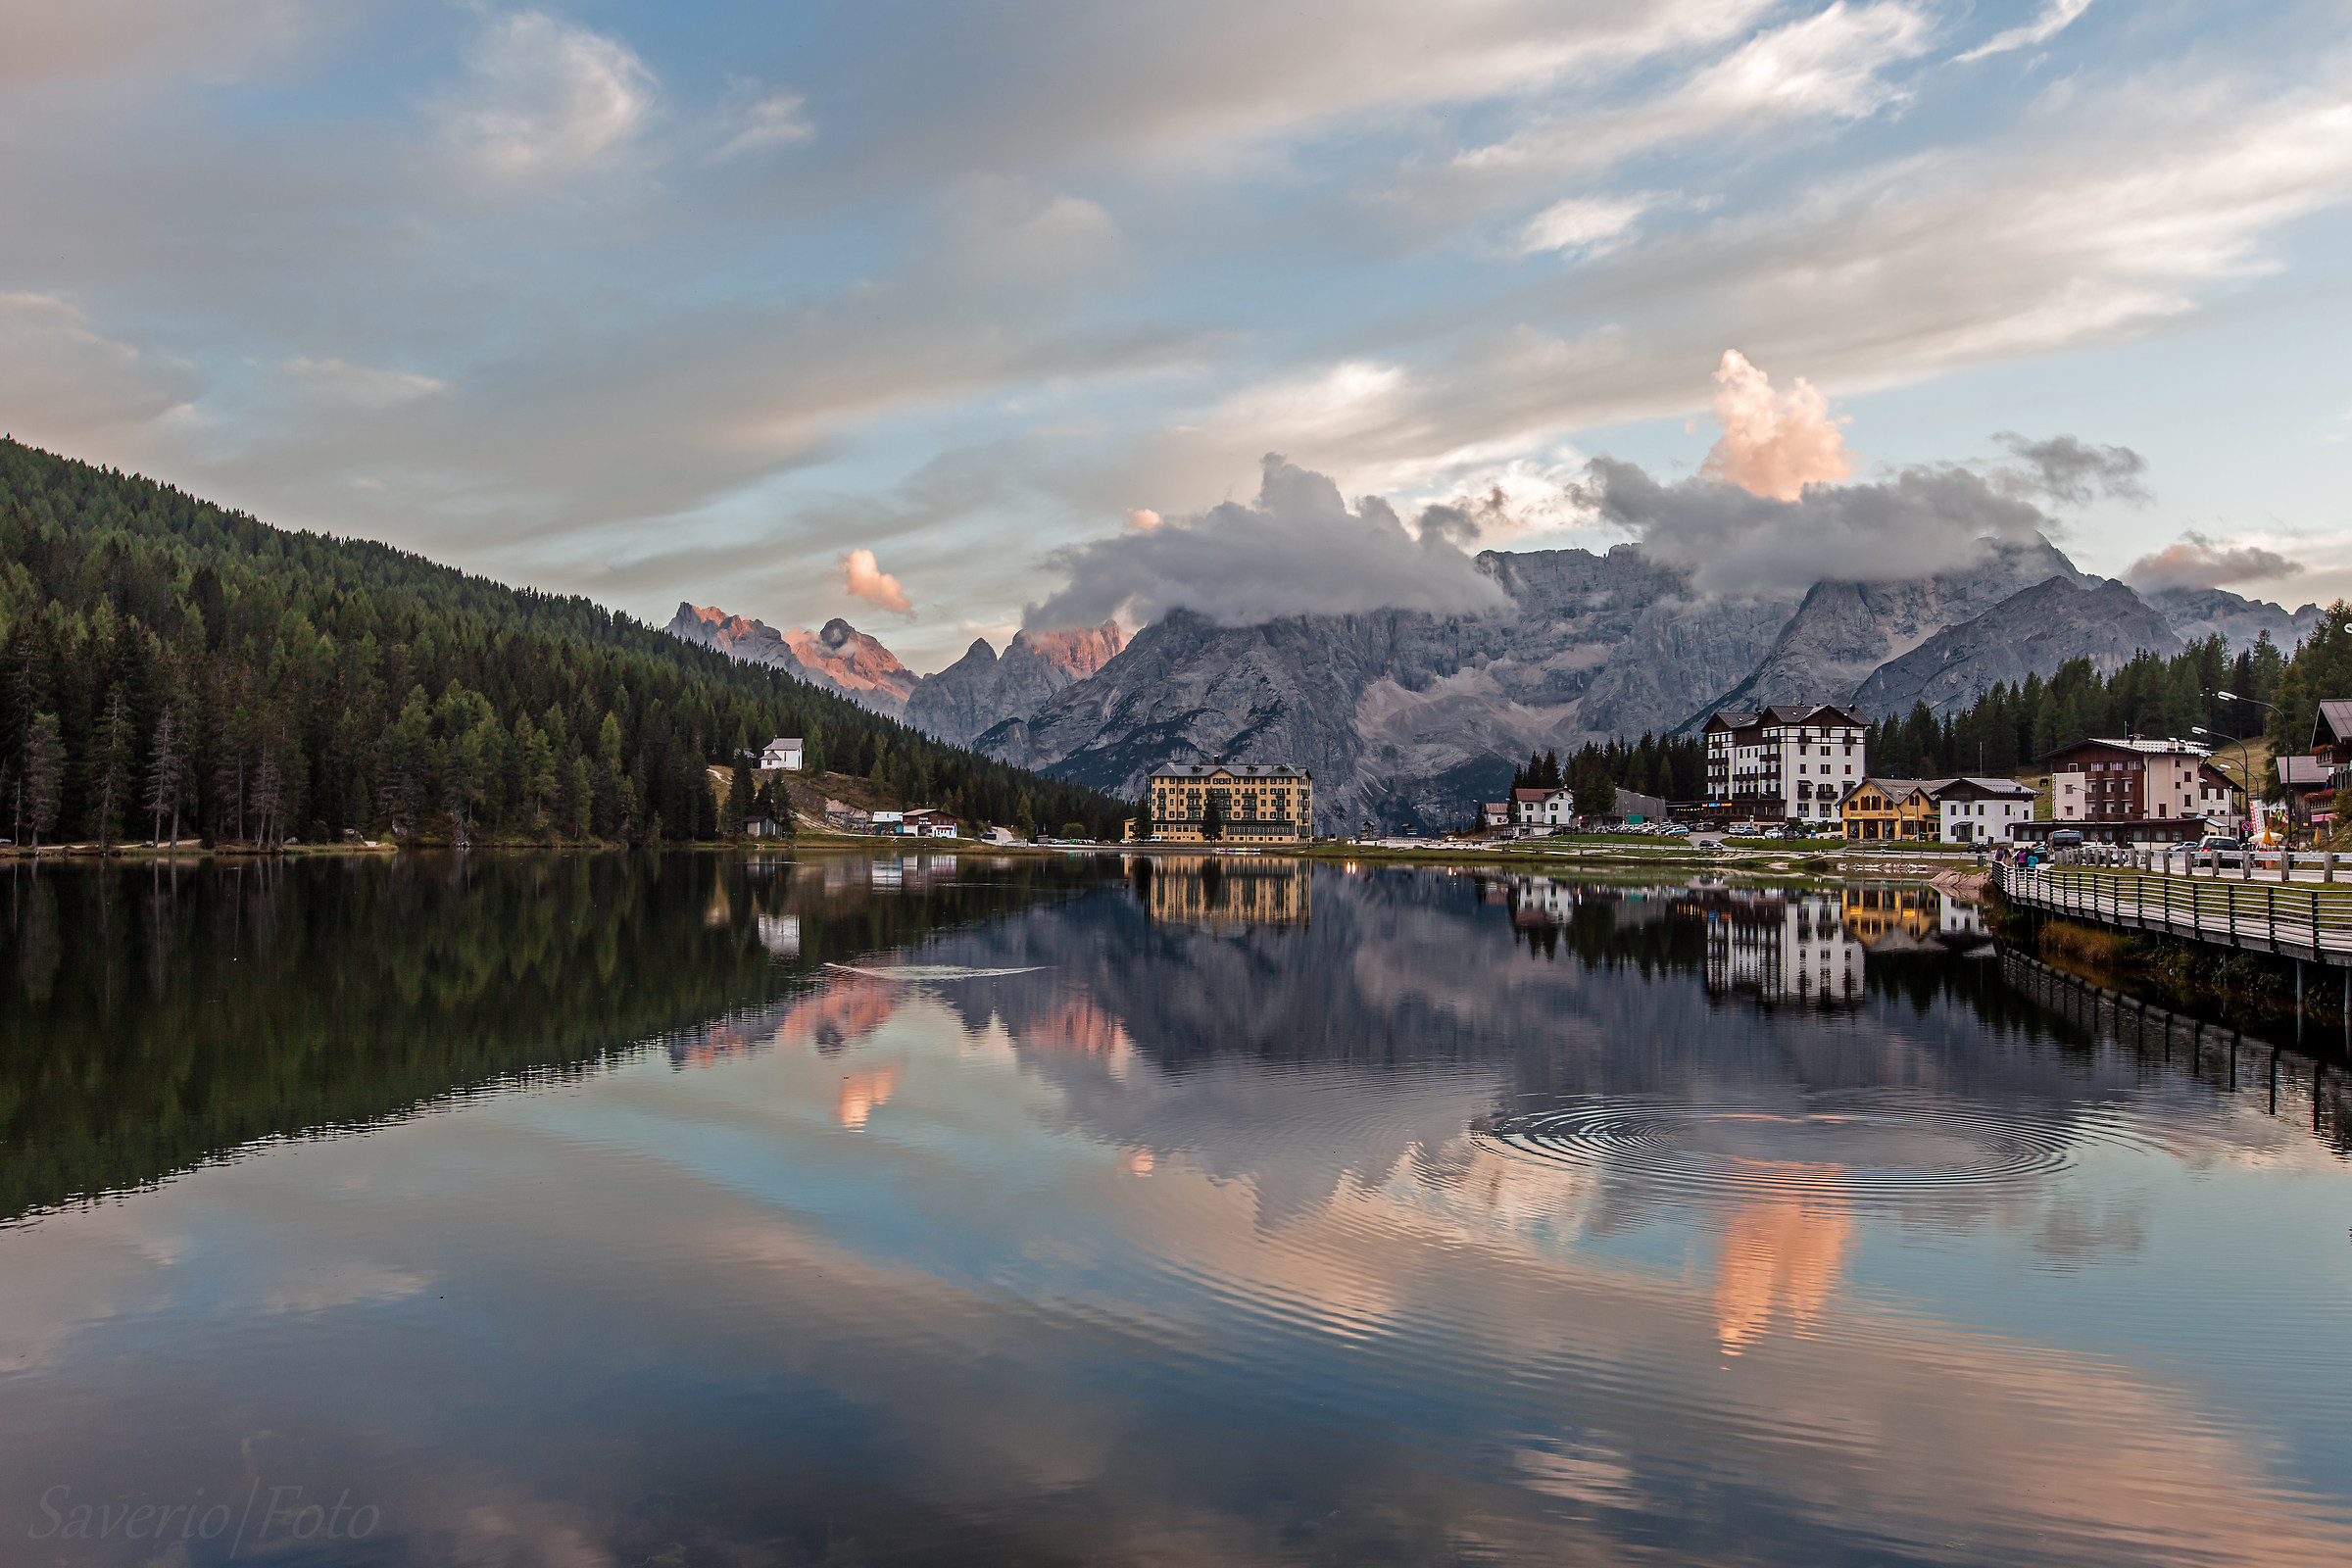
{"x":685,"y":302}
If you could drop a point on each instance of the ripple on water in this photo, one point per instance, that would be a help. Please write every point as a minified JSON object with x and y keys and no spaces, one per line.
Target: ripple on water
{"x":1888,"y":1149}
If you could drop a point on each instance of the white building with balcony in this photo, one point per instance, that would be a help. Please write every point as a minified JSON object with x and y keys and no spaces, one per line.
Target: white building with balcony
{"x":1786,"y":762}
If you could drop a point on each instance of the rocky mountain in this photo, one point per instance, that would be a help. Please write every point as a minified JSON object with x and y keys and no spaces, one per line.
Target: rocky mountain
{"x":2032,"y":632}
{"x":1400,"y":714}
{"x":839,"y":658}
{"x":1405,"y":716}
{"x":1843,"y":631}
{"x":980,"y":689}
{"x":2195,"y":614}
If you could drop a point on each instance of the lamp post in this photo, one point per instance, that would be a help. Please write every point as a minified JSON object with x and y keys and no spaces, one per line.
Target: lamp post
{"x":2245,"y":761}
{"x":2233,"y":696}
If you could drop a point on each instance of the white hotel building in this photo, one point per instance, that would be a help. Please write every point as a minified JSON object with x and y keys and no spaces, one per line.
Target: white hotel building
{"x":1786,"y":762}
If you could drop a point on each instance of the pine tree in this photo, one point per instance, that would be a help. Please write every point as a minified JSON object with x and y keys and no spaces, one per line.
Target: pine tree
{"x":43,"y":778}
{"x":110,"y":785}
{"x":740,"y":803}
{"x":164,"y":767}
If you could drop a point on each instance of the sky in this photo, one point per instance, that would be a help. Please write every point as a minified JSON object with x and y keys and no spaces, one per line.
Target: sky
{"x":944,"y":318}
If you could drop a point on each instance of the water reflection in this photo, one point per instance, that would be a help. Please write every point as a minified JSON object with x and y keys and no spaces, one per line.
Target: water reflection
{"x":1218,"y":892}
{"x":1472,"y":1219}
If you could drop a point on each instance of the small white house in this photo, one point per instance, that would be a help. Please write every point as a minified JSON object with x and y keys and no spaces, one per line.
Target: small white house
{"x":783,"y":751}
{"x":1547,"y":810}
{"x":1976,"y":809}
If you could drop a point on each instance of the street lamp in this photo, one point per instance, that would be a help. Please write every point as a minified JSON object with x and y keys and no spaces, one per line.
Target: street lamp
{"x":2233,"y":696}
{"x":2245,"y":761}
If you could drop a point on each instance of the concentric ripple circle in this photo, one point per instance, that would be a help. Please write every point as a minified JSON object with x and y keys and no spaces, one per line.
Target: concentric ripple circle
{"x":1892,"y":1152}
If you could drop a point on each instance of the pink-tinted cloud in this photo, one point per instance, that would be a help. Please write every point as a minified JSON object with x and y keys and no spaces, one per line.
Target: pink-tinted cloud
{"x":2197,"y":562}
{"x":1774,"y":443}
{"x":865,"y":579}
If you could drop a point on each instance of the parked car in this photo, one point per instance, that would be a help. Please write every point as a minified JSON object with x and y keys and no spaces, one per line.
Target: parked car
{"x":1705,"y":841}
{"x":2216,"y":849}
{"x":2066,"y":838}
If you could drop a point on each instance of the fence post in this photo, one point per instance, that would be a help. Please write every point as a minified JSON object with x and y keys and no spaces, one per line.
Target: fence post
{"x":2271,"y":897}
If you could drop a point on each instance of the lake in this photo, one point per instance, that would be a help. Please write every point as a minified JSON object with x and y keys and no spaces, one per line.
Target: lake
{"x":674,"y":1210}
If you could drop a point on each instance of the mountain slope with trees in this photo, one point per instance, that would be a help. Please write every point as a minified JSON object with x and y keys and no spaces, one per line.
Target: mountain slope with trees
{"x":162,"y":659}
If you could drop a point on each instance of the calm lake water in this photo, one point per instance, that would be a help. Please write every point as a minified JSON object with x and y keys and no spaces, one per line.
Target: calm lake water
{"x":592,"y":1211}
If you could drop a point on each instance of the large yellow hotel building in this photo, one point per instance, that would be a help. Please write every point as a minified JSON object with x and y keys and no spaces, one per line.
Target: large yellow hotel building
{"x":1263,"y":803}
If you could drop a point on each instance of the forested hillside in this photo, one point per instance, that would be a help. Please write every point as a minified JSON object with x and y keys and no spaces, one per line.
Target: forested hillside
{"x":2009,"y":725}
{"x":161,"y":657}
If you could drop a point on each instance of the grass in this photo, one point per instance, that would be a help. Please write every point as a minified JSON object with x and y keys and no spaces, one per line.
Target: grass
{"x":2081,"y":950}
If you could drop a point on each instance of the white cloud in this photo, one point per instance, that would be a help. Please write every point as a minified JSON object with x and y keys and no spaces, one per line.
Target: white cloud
{"x":1581,"y":223}
{"x":2055,"y":18}
{"x":763,"y":123}
{"x":1299,"y":550}
{"x":1831,"y":65}
{"x":360,"y":385}
{"x":545,"y":98}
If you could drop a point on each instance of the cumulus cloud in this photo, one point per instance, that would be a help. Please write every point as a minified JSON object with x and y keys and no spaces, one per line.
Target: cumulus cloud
{"x":545,"y":99}
{"x":2056,"y":16}
{"x":2197,"y":562}
{"x":863,"y":575}
{"x":1922,"y":522}
{"x":1298,"y":550}
{"x":1773,"y":443}
{"x":2071,"y":472}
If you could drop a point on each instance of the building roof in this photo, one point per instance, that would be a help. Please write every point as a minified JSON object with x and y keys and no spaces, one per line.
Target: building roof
{"x":2171,"y":746}
{"x":1537,"y":796}
{"x":789,"y":742}
{"x":2304,"y":772}
{"x":1636,"y":801}
{"x":1896,"y":789}
{"x":2333,"y":720}
{"x":1971,"y":787}
{"x":1232,"y":769}
{"x":1782,"y":713}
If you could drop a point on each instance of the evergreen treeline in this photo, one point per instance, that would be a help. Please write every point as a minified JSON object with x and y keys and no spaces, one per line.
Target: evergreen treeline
{"x":2011,"y":724}
{"x":1671,"y":769}
{"x":164,"y":661}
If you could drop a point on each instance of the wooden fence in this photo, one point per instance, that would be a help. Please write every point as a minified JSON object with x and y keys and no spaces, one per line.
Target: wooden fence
{"x":2295,"y":921}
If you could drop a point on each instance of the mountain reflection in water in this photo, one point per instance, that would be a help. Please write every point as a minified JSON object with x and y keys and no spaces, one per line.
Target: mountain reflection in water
{"x":929,"y":1209}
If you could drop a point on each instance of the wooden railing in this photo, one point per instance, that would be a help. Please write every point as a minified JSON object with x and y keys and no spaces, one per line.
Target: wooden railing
{"x":2295,"y":919}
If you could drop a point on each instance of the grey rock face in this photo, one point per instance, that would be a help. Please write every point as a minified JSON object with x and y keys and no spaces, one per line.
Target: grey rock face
{"x":2195,"y":614}
{"x":1403,"y":717}
{"x":1845,"y":630}
{"x":752,"y":642}
{"x":2029,"y":633}
{"x":980,"y":690}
